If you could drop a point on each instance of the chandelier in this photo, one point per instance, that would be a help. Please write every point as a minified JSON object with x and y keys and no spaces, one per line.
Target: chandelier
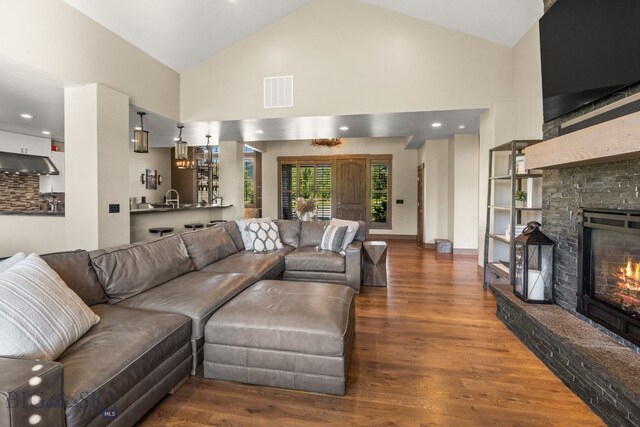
{"x":326,"y":142}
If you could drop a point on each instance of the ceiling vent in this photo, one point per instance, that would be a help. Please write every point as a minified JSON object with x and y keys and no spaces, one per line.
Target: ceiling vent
{"x":278,"y":92}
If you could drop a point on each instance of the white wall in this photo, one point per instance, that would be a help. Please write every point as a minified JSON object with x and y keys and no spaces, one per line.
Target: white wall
{"x":158,"y":159}
{"x":53,"y":37}
{"x":348,"y":57}
{"x":404,"y":175}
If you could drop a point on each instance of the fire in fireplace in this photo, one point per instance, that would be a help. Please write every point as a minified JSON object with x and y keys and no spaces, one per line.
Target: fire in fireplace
{"x":625,"y":290}
{"x":609,"y":270}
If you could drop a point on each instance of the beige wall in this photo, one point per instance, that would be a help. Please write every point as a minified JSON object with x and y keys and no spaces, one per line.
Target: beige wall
{"x":348,"y":57}
{"x":527,"y":83}
{"x":518,"y":119}
{"x":451,"y":190}
{"x":55,"y":38}
{"x":497,"y":126}
{"x":158,"y":159}
{"x":404,"y":175}
{"x":465,"y":191}
{"x":97,"y":167}
{"x":37,"y":234}
{"x":435,"y":156}
{"x":232,"y":178}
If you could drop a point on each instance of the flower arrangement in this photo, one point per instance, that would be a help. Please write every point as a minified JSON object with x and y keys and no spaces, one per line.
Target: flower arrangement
{"x":306,"y":209}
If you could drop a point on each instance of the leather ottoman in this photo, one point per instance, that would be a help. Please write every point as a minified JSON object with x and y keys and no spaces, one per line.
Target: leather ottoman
{"x":294,"y":335}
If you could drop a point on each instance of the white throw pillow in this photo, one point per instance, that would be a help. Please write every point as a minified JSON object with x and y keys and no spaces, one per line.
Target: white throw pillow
{"x":351,"y":233}
{"x":265,"y":236}
{"x":39,"y":314}
{"x":244,"y":231}
{"x":10,"y":262}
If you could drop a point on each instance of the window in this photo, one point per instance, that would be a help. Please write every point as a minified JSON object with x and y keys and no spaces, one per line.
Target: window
{"x":249,"y":182}
{"x":306,"y":179}
{"x":380,"y":214}
{"x":252,"y":178}
{"x":315,"y":177}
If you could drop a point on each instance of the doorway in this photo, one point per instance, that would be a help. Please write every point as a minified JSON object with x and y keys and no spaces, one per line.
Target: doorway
{"x":351,"y":189}
{"x":421,"y":205}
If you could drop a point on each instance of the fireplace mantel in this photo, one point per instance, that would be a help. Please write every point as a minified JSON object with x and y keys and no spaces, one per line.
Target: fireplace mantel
{"x":617,"y":139}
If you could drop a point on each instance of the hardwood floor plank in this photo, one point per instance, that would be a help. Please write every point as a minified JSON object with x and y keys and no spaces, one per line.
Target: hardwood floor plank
{"x":429,"y":350}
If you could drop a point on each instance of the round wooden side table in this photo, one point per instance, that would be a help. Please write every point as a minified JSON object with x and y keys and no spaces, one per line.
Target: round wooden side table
{"x":374,"y":264}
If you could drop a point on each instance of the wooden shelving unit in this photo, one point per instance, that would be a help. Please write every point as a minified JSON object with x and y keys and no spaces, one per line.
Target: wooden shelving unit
{"x":503,"y":183}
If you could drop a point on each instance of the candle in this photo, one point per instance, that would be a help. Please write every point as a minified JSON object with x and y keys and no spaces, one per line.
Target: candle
{"x":535,"y":286}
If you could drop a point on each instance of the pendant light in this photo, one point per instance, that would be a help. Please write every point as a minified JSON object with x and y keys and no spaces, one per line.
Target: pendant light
{"x":141,"y":137}
{"x":208,"y":153}
{"x":182,"y":150}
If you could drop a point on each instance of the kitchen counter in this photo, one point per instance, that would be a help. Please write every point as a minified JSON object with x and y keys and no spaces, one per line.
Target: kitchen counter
{"x":144,"y":219}
{"x":180,"y":209}
{"x":32,"y":213}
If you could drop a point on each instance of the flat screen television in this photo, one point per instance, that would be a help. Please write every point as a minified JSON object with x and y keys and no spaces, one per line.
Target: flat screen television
{"x":590,"y":49}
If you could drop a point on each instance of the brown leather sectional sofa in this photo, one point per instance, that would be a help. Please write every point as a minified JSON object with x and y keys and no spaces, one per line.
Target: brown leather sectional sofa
{"x":154,"y":299}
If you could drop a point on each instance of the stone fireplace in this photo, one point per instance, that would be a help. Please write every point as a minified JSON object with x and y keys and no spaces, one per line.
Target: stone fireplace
{"x":609,"y":270}
{"x":566,"y":194}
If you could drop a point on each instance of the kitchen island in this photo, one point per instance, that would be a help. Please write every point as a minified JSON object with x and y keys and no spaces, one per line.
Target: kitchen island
{"x":144,"y":219}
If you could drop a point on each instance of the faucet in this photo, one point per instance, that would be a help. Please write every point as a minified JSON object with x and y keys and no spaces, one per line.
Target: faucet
{"x":177,"y":199}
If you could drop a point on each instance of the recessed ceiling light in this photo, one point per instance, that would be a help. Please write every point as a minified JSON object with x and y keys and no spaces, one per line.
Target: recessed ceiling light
{"x":26,"y":116}
{"x":46,"y":132}
{"x":344,"y":128}
{"x":436,"y":125}
{"x":259,"y":132}
{"x":462,"y":127}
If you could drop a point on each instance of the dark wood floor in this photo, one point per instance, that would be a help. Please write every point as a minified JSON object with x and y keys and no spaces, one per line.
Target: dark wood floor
{"x":429,"y":350}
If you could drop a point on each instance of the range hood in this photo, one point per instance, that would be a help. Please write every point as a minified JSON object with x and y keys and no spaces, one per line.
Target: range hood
{"x":25,"y":164}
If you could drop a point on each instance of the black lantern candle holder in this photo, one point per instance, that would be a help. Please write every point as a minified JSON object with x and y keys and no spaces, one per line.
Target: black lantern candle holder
{"x":534,"y":265}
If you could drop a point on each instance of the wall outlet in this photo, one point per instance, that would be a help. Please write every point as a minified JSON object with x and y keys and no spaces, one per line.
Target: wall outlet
{"x":114,"y":208}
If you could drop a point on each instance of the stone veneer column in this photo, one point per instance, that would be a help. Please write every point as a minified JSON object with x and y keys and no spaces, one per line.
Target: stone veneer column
{"x":232,"y":178}
{"x":96,"y":122}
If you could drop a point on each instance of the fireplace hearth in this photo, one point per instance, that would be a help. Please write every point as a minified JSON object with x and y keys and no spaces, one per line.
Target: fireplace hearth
{"x":609,"y":270}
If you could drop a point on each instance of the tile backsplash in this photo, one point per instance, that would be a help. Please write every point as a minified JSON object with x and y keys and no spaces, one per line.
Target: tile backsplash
{"x":21,"y":193}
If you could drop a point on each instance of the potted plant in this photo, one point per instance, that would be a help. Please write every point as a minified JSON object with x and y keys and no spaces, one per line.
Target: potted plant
{"x":305,"y":209}
{"x":521,"y":199}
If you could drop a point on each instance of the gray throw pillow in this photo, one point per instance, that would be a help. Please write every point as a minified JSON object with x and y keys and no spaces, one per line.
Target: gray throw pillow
{"x":333,"y":238}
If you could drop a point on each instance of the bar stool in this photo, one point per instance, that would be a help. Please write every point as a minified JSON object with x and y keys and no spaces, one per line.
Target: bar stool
{"x":161,"y":230}
{"x":194,"y":226}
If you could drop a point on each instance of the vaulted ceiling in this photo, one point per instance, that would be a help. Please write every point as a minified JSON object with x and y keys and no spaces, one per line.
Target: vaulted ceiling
{"x":183,"y":33}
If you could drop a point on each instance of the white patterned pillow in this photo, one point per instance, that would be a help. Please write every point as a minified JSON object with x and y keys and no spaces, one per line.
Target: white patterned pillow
{"x":40,"y":315}
{"x":333,"y":238}
{"x":244,"y":230}
{"x":265,"y":236}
